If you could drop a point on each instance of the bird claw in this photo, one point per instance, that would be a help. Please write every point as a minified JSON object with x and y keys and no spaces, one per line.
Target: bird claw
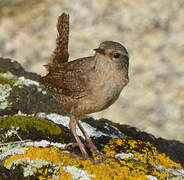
{"x":88,"y":158}
{"x":100,"y":154}
{"x":83,"y":157}
{"x":96,"y":151}
{"x":73,"y":145}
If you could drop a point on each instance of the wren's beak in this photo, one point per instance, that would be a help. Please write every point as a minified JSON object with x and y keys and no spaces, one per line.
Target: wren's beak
{"x":102,"y":51}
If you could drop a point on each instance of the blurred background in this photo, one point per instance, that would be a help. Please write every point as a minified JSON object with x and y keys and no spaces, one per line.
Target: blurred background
{"x":152,"y":31}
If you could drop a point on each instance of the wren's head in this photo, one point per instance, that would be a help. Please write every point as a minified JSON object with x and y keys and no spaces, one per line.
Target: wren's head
{"x":113,"y":53}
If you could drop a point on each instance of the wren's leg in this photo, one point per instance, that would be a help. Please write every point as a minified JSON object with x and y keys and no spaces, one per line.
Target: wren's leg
{"x":72,"y":126}
{"x":90,"y":142}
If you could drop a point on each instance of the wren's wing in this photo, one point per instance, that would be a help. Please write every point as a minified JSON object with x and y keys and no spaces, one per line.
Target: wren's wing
{"x":70,"y":79}
{"x":60,"y":54}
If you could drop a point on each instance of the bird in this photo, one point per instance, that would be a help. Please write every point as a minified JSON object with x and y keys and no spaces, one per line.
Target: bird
{"x":88,"y":84}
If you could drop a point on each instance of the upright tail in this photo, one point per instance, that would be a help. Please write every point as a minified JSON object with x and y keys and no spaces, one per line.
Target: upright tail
{"x":60,"y":54}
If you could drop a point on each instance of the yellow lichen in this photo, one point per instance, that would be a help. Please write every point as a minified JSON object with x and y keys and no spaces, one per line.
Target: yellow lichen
{"x":145,"y":156}
{"x":49,"y":154}
{"x":65,"y":176}
{"x":143,"y":162}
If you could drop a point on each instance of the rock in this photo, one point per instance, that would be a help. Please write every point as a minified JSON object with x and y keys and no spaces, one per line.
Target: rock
{"x":152,"y":32}
{"x":25,"y":93}
{"x":34,"y":139}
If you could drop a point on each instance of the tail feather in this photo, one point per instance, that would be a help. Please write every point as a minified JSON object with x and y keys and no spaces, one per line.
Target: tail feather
{"x":60,"y":54}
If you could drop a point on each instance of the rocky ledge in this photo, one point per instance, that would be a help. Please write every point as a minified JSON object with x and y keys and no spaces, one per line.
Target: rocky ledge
{"x":35,"y":139}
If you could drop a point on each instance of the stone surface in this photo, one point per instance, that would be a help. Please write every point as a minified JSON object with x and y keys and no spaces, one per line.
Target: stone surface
{"x":151,"y":30}
{"x":35,"y":141}
{"x":25,"y":95}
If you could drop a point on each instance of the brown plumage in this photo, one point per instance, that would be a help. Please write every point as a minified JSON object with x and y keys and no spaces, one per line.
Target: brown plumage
{"x":60,"y":54}
{"x":89,"y":84}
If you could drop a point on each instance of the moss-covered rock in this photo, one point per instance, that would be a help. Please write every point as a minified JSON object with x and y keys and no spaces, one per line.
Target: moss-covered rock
{"x":4,"y":81}
{"x":32,"y":143}
{"x":25,"y":122}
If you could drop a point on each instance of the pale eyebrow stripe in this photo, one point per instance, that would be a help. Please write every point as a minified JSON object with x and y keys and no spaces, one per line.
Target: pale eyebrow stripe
{"x":125,"y":54}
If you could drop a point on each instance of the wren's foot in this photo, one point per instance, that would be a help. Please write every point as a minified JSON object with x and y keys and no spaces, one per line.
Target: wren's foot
{"x":94,"y":150}
{"x":89,"y":158}
{"x":82,"y":157}
{"x":90,"y":144}
{"x":73,"y":145}
{"x":76,"y":145}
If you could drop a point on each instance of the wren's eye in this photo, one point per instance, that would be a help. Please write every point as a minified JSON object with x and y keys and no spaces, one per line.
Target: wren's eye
{"x":117,"y":55}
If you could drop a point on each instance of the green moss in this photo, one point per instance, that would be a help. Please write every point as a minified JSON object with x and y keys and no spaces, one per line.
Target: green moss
{"x":24,"y":122}
{"x":4,"y":81}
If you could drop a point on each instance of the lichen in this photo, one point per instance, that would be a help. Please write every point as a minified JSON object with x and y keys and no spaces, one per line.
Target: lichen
{"x":25,"y":122}
{"x":27,"y":82}
{"x":145,"y":157}
{"x":78,"y":173}
{"x":13,"y":80}
{"x":64,"y":121}
{"x":5,"y":88}
{"x":41,"y":161}
{"x":4,"y":81}
{"x":10,"y":149}
{"x":142,"y":164}
{"x":7,"y":82}
{"x":4,"y":94}
{"x":8,"y":75}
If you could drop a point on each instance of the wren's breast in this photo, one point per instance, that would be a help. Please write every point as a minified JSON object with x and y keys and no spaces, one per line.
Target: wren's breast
{"x":106,"y":90}
{"x":110,"y":94}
